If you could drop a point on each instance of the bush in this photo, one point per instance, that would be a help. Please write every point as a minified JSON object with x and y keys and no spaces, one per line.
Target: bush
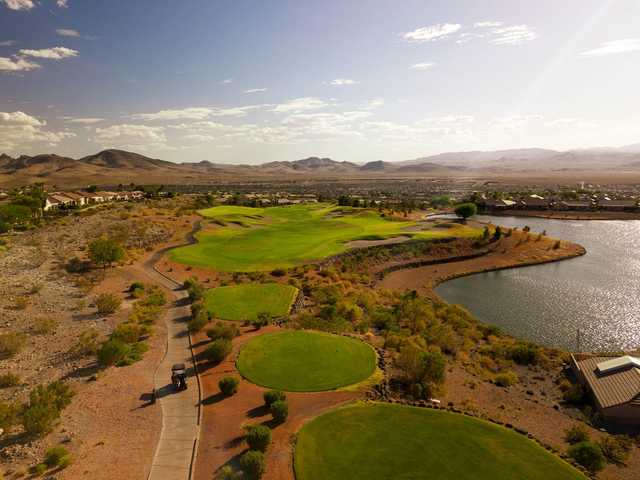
{"x":576,"y":434}
{"x":40,"y":468}
{"x":11,"y":343}
{"x":279,"y":411}
{"x":195,"y":289}
{"x":9,"y":415}
{"x":506,"y":379}
{"x":417,"y":391}
{"x":54,"y":456}
{"x":105,"y":251}
{"x":218,"y":350}
{"x":466,"y":210}
{"x":9,"y":380}
{"x":258,"y":437}
{"x":272,"y":396}
{"x":112,"y":352}
{"x":45,"y":326}
{"x":220,"y":330}
{"x":253,"y":464}
{"x":136,"y":286}
{"x":524,"y":353}
{"x":87,"y":343}
{"x":589,"y":455}
{"x":279,"y":272}
{"x":130,"y":332}
{"x":574,"y":394}
{"x":75,"y":265}
{"x":45,"y":406}
{"x":22,"y":303}
{"x":198,"y":321}
{"x":228,"y":385}
{"x":616,"y":449}
{"x":108,"y":303}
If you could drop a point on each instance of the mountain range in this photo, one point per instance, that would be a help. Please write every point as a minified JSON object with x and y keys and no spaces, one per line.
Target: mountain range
{"x":119,"y":166}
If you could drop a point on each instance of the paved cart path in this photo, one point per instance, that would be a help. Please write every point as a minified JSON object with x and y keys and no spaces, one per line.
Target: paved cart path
{"x":175,"y":454}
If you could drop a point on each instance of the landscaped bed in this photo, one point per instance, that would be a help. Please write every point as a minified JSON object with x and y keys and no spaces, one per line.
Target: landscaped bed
{"x":381,"y":441}
{"x":305,"y":361}
{"x":261,"y":239}
{"x":247,"y":301}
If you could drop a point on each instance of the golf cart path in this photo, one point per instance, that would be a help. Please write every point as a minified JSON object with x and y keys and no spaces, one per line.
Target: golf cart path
{"x":176,"y":450}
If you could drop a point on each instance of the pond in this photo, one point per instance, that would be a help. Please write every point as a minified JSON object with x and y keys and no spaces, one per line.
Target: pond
{"x":590,"y":303}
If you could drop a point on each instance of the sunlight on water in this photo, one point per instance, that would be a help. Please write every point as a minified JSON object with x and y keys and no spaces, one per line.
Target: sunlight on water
{"x":598,"y":293}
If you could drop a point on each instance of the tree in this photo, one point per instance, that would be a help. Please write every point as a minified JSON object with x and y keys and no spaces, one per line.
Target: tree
{"x":258,"y":437}
{"x":218,"y":350}
{"x":466,"y":210}
{"x":104,"y":251}
{"x":279,"y":410}
{"x":420,"y":365}
{"x":589,"y":455}
{"x":252,"y":464}
{"x":272,"y":396}
{"x":228,"y":385}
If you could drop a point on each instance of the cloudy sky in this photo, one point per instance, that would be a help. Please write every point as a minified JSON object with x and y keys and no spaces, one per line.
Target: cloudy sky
{"x":250,"y":81}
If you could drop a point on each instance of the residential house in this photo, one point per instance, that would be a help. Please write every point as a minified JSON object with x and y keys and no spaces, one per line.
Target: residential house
{"x":614,"y":383}
{"x":617,"y":205}
{"x":575,"y":205}
{"x":535,"y":202}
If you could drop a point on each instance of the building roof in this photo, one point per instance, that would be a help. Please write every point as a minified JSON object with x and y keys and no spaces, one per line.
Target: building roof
{"x":615,"y":386}
{"x":617,"y":203}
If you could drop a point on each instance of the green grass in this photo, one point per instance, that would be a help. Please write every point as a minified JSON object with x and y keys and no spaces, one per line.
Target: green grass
{"x":382,"y":441}
{"x":262,"y":239}
{"x":304,"y":361}
{"x":246,"y":301}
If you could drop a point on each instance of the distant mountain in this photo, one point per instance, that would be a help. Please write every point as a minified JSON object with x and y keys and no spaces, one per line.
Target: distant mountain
{"x":311,"y":164}
{"x":123,"y":159}
{"x":477,"y":157}
{"x":377,"y":166}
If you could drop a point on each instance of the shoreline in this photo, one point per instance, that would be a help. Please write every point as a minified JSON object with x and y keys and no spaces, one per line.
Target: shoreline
{"x":568,"y":215}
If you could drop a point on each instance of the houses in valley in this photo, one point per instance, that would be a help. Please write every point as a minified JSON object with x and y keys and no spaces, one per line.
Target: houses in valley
{"x":78,"y":199}
{"x":539,"y":203}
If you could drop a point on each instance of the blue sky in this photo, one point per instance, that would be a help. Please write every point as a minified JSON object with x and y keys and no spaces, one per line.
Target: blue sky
{"x":242,"y":81}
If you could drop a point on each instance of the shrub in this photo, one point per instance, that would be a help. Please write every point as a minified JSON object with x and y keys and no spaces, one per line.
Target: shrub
{"x":45,"y":406}
{"x":22,"y":303}
{"x":506,"y":379}
{"x":112,"y":352}
{"x":616,"y":449}
{"x":40,"y":468}
{"x":105,"y":251}
{"x":9,"y":414}
{"x":108,"y":303}
{"x":252,"y":464}
{"x":195,"y":289}
{"x":466,"y":210}
{"x":279,"y":272}
{"x":45,"y":325}
{"x":198,"y":321}
{"x":220,"y":330}
{"x":87,"y":343}
{"x":272,"y":396}
{"x":218,"y":350}
{"x":11,"y":343}
{"x":130,"y":332}
{"x":556,"y":245}
{"x":279,"y":411}
{"x":589,"y":455}
{"x":155,"y":297}
{"x":417,"y":391}
{"x":9,"y":380}
{"x":136,"y":286}
{"x":75,"y":265}
{"x":576,"y":434}
{"x":524,"y":353}
{"x":54,"y":455}
{"x":574,"y":394}
{"x":258,"y":437}
{"x":228,"y":385}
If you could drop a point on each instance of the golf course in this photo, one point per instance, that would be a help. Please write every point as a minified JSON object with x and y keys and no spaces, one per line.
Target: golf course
{"x":247,"y":301}
{"x":306,"y":361}
{"x":245,"y":239}
{"x":381,"y":441}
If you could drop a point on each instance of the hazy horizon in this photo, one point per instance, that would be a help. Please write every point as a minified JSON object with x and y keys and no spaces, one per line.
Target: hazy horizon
{"x":253,"y":83}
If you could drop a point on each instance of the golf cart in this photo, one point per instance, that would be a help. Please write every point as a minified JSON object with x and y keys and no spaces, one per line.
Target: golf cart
{"x":179,"y":376}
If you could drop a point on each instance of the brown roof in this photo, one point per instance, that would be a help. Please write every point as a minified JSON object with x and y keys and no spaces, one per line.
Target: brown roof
{"x":615,"y":388}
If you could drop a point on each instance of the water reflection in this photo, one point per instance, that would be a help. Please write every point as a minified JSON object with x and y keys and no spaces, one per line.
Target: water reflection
{"x":598,"y":294}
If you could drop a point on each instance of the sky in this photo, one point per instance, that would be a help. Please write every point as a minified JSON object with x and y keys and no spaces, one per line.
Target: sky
{"x":252,"y":81}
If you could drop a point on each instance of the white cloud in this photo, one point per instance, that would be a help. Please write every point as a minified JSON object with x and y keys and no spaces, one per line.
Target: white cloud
{"x":300,"y":105}
{"x":7,"y":43}
{"x":513,"y":35}
{"x":570,"y":122}
{"x":55,"y":53}
{"x":194,"y":113}
{"x":67,"y":32}
{"x":375,"y":103}
{"x":236,"y":111}
{"x":255,"y":90}
{"x":226,"y":81}
{"x":432,"y":33}
{"x":62,"y":3}
{"x":488,"y":23}
{"x":343,"y":81}
{"x":19,"y":128}
{"x":16,"y":64}
{"x":514,"y":122}
{"x":422,"y":66}
{"x":19,"y":4}
{"x":614,"y":47}
{"x":131,"y":134}
{"x":83,"y":120}
{"x":19,"y":118}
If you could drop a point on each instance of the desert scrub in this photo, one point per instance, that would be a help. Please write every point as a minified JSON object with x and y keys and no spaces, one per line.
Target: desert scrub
{"x":8,"y":380}
{"x":228,"y":386}
{"x":11,"y":344}
{"x":45,"y":406}
{"x":57,"y":457}
{"x":21,"y":303}
{"x":506,"y":379}
{"x":45,"y":326}
{"x":87,"y":343}
{"x":108,"y":303}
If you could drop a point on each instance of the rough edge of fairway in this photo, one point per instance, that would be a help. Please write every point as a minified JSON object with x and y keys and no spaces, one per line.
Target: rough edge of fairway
{"x":365,"y":403}
{"x":285,"y":289}
{"x":372,"y":377}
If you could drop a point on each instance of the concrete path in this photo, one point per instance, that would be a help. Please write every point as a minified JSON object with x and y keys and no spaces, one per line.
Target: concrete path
{"x":175,"y":454}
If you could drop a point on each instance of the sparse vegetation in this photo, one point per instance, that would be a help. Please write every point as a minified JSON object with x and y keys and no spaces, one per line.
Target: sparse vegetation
{"x":105,"y":251}
{"x":11,"y":343}
{"x":8,"y":380}
{"x":589,"y":455}
{"x":108,"y":303}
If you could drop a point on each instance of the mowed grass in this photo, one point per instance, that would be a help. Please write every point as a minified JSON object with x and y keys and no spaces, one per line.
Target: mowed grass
{"x":246,"y":301}
{"x":305,"y":361}
{"x":382,"y":441}
{"x":261,"y":239}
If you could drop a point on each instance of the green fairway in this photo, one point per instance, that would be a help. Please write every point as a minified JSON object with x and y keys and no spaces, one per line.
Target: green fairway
{"x":261,"y":239}
{"x":304,"y":361}
{"x":382,"y":441}
{"x":246,"y":301}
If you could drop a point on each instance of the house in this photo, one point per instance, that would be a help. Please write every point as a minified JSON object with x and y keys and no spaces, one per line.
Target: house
{"x":58,"y":200}
{"x":78,"y":199}
{"x":614,"y":383}
{"x":617,"y":205}
{"x":535,"y":202}
{"x":575,"y":205}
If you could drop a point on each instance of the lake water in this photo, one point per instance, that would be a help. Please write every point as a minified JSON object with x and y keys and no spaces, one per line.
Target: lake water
{"x":597,"y":294}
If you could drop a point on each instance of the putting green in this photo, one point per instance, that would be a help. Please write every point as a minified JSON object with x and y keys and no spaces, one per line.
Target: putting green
{"x":248,"y":300}
{"x":305,"y":361}
{"x":381,"y":441}
{"x":262,"y":239}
